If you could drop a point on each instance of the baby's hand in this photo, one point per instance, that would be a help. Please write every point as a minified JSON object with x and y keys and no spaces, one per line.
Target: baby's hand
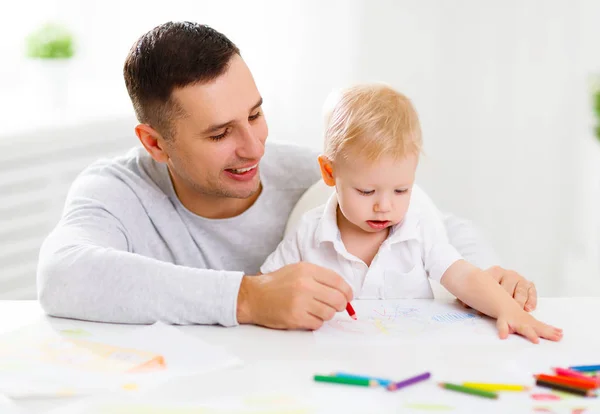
{"x":522,"y":323}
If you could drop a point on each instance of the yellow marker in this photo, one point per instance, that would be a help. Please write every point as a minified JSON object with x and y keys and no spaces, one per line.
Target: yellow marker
{"x":496,"y":387}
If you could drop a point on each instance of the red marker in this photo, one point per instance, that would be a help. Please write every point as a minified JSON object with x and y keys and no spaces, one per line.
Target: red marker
{"x":350,"y":311}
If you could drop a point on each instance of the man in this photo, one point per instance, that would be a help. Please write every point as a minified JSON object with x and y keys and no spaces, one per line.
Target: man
{"x":173,"y":231}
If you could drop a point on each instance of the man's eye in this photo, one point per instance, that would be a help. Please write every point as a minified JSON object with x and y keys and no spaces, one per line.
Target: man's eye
{"x":255,"y":116}
{"x":220,"y":136}
{"x":365,"y":192}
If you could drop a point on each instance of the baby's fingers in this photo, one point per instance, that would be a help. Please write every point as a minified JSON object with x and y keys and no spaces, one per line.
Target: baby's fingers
{"x":503,"y":328}
{"x":528,"y":332}
{"x":549,"y":332}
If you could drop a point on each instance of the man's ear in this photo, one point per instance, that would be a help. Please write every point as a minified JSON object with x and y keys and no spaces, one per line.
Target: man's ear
{"x":327,"y":170}
{"x":153,"y":141}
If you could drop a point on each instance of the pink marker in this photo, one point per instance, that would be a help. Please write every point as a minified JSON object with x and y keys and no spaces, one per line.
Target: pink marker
{"x":574,"y":374}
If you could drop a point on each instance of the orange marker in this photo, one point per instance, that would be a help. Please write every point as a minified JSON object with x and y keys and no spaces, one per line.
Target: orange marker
{"x":350,"y":311}
{"x":573,"y":382}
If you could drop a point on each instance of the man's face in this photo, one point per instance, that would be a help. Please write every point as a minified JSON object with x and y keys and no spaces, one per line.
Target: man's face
{"x":218,"y":144}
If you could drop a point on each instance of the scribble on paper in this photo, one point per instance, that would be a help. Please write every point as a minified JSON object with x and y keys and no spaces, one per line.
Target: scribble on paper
{"x":451,"y":317}
{"x":403,"y":318}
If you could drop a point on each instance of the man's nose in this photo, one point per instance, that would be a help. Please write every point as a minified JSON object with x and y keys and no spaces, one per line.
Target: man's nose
{"x":250,"y":145}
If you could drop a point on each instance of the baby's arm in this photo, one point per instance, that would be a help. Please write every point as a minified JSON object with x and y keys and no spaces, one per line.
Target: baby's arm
{"x":480,"y":291}
{"x":473,"y":286}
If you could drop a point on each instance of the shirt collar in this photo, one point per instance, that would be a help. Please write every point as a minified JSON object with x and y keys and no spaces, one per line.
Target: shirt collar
{"x":407,"y":229}
{"x":327,"y":230}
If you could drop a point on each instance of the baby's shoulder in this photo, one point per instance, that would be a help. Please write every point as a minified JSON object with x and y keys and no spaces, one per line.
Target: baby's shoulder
{"x":309,"y":222}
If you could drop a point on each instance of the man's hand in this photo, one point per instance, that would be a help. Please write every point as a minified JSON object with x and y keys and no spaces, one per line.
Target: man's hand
{"x":297,"y":296}
{"x":522,"y":290}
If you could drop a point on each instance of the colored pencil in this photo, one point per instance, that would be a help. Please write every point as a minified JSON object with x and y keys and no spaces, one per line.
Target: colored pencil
{"x":585,"y":368}
{"x":350,"y":311}
{"x":468,"y":390}
{"x":573,"y":382}
{"x":574,"y":374}
{"x":409,"y":381}
{"x":495,"y":387}
{"x":346,"y":381}
{"x":565,"y":388}
{"x":383,"y":382}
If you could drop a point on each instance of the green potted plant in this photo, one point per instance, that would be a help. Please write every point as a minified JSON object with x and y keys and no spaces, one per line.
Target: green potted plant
{"x":50,"y":49}
{"x":597,"y":110}
{"x":50,"y":41}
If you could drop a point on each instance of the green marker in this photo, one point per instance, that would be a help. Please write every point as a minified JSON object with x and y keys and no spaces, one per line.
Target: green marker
{"x":468,"y":390}
{"x":361,"y":382}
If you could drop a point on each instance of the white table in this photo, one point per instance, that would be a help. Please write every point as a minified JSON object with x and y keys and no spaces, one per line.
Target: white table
{"x":281,"y":361}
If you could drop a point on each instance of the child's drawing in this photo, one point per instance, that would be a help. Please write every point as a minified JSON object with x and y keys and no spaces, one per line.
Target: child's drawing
{"x":404,"y":319}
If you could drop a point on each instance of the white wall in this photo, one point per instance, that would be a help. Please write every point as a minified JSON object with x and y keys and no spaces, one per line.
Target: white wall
{"x":501,"y":88}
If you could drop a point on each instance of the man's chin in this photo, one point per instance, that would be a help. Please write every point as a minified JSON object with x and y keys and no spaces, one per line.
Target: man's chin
{"x":244,"y":193}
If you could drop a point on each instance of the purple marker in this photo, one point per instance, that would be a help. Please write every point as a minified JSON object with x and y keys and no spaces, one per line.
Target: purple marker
{"x":397,"y":385}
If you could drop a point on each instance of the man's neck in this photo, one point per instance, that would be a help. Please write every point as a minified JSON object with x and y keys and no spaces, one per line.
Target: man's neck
{"x":212,"y":207}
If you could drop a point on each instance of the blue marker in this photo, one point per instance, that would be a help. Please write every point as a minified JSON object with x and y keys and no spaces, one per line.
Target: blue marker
{"x":381,"y":381}
{"x":586,"y":368}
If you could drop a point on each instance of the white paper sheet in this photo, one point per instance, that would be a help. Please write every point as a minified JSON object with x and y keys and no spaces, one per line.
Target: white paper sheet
{"x":8,"y":407}
{"x":43,"y":371}
{"x":410,"y":321}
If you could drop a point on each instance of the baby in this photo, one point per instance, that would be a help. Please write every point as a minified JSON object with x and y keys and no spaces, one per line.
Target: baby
{"x":381,"y":240}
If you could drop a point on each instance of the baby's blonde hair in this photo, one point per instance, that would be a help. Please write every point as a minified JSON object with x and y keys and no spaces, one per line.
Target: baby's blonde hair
{"x":371,"y":120}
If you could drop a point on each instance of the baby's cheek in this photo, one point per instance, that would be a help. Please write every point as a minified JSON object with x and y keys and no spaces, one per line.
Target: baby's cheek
{"x":360,"y":209}
{"x":353,"y":210}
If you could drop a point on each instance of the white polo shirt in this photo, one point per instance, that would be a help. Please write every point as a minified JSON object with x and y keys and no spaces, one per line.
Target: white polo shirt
{"x":415,"y":249}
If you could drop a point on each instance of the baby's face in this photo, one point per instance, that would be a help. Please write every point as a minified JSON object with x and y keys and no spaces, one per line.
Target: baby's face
{"x":375,"y":195}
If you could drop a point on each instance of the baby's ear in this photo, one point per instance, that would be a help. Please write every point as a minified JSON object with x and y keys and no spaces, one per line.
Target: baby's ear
{"x":327,"y":170}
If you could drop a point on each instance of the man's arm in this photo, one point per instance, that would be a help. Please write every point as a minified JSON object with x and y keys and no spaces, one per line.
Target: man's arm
{"x":86,"y":272}
{"x":462,"y":234}
{"x":469,"y":242}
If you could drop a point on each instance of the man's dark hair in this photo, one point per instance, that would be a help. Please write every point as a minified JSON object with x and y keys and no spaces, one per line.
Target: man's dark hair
{"x":170,"y":56}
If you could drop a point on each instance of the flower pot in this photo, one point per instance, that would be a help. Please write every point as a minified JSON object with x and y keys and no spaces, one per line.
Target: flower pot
{"x":49,"y":82}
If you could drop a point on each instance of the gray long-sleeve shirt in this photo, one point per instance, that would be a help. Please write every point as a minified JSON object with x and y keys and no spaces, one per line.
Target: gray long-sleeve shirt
{"x":126,"y":250}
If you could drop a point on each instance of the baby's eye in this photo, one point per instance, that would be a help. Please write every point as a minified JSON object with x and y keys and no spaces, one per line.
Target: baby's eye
{"x":365,"y":192}
{"x":401,"y":191}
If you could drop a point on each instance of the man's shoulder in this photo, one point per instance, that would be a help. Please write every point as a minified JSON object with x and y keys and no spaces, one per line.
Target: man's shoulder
{"x":118,"y":178}
{"x":288,"y":166}
{"x":423,"y":206}
{"x":427,"y":218}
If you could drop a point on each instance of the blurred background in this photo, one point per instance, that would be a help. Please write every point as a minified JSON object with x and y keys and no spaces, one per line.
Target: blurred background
{"x":504,"y":89}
